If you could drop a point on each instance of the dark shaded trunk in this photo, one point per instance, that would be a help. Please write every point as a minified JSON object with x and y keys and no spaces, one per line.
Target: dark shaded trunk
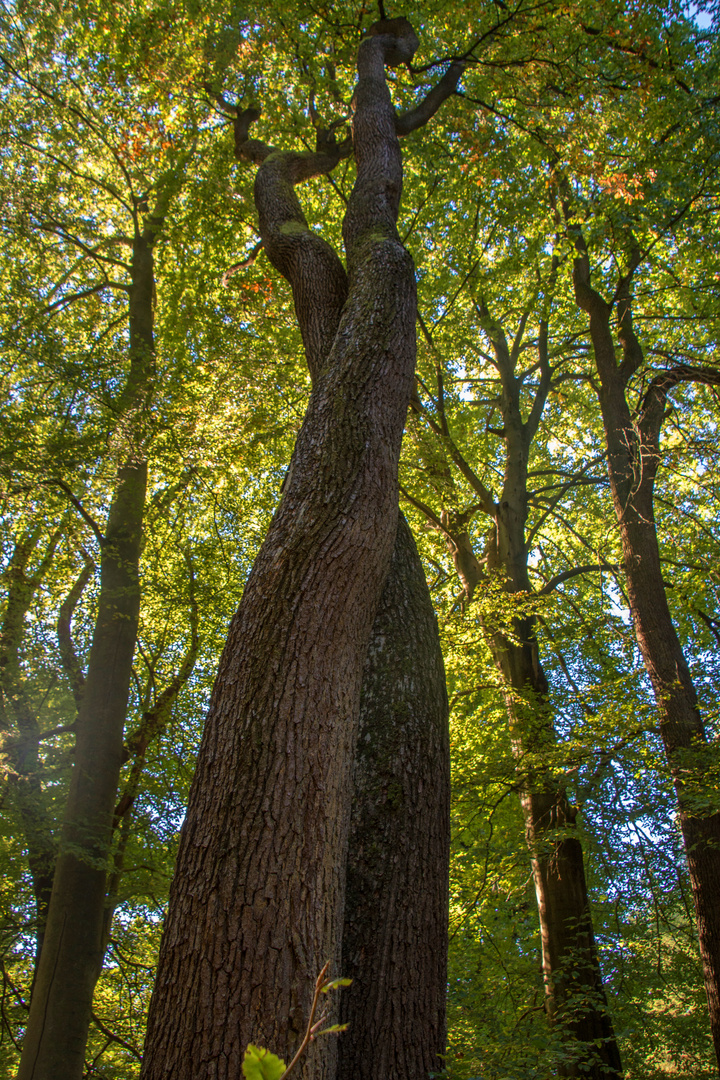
{"x":684,"y":740}
{"x":256,"y":908}
{"x":633,"y":457}
{"x":72,"y":954}
{"x":396,"y":909}
{"x":575,"y":999}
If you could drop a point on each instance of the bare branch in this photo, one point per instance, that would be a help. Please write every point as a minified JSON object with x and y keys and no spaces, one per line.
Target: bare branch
{"x":422,"y":113}
{"x":87,"y":518}
{"x":114,"y":1038}
{"x":566,"y":575}
{"x":68,"y":656}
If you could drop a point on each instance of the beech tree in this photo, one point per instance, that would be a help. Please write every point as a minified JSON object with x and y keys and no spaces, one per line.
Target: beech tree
{"x":516,"y":507}
{"x":633,"y":459}
{"x":632,"y":418}
{"x":74,"y":936}
{"x":90,"y":212}
{"x":257,"y":900}
{"x":575,"y":999}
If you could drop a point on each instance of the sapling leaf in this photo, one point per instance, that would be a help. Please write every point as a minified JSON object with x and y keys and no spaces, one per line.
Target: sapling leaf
{"x":334,"y":984}
{"x":331,"y":1029}
{"x":259,"y":1064}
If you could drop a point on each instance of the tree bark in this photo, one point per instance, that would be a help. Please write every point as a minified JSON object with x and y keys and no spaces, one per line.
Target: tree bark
{"x":395,"y":933}
{"x":633,"y":457}
{"x":71,"y":958}
{"x":256,"y":906}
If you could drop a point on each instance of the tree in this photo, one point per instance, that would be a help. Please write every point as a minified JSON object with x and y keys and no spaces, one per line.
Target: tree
{"x":225,"y":384}
{"x":574,"y":995}
{"x":633,"y":458}
{"x":72,"y":202}
{"x":259,"y":886}
{"x":633,"y":436}
{"x":74,"y":939}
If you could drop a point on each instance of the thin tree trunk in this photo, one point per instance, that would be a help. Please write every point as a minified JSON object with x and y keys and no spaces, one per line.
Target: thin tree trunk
{"x":395,"y":933}
{"x":71,"y":958}
{"x":20,"y":726}
{"x":256,"y":907}
{"x":633,"y":457}
{"x":575,"y":1000}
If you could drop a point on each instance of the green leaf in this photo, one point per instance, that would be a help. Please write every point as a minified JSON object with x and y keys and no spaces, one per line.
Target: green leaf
{"x":334,"y":984}
{"x":260,"y":1064}
{"x":332,"y":1028}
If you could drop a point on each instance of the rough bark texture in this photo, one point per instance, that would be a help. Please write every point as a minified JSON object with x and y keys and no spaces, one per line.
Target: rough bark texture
{"x":256,"y":907}
{"x":395,"y":934}
{"x":71,"y":958}
{"x":633,"y":456}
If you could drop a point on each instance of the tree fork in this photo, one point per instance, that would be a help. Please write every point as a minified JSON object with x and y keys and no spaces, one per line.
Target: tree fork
{"x":257,"y":899}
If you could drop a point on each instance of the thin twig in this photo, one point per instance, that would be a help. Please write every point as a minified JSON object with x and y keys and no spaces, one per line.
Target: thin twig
{"x":319,"y":983}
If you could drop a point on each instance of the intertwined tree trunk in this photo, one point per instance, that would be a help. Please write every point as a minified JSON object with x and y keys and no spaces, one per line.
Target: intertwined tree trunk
{"x":395,"y":935}
{"x":256,"y":907}
{"x":633,"y":458}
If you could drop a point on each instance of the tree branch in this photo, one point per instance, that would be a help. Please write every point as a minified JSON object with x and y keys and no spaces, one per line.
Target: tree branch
{"x":566,"y":575}
{"x":68,"y":656}
{"x":422,"y":113}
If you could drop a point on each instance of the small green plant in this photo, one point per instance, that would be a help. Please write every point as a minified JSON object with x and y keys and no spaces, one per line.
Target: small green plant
{"x":260,"y":1064}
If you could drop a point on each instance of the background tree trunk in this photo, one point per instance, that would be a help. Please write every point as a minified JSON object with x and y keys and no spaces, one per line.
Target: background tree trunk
{"x":19,"y":722}
{"x":575,"y":1000}
{"x":633,"y":458}
{"x":72,"y":953}
{"x":396,"y":908}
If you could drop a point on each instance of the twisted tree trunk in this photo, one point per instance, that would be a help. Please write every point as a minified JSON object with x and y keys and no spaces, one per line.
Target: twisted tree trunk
{"x":256,"y":907}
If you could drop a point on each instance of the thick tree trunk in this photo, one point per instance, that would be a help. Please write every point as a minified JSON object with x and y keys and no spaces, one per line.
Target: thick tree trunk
{"x":71,"y":958}
{"x":256,"y":906}
{"x":257,"y":903}
{"x":633,"y":456}
{"x":395,"y":934}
